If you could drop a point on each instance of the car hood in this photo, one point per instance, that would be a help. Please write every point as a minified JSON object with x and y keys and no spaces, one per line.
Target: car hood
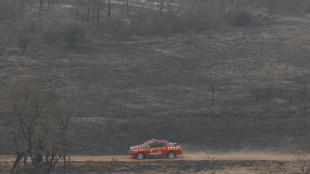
{"x":136,"y":147}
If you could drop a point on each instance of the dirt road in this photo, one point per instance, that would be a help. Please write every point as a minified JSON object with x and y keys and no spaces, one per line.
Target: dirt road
{"x":194,"y":157}
{"x":186,"y":157}
{"x":228,"y":163}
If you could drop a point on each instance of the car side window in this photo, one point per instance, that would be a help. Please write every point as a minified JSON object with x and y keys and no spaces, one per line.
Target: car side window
{"x":161,"y":145}
{"x":153,"y":145}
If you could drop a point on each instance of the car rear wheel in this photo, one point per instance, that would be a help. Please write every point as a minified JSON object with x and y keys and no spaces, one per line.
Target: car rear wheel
{"x":140,"y":156}
{"x":171,"y":155}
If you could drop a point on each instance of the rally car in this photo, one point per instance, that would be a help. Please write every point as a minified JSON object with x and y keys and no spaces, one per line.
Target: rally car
{"x":155,"y":148}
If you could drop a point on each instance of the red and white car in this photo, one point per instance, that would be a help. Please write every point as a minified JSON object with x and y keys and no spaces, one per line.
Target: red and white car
{"x":155,"y":148}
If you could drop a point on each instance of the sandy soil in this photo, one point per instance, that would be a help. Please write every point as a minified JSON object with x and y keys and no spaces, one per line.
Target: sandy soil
{"x":187,"y":157}
{"x":228,"y":163}
{"x":195,"y":157}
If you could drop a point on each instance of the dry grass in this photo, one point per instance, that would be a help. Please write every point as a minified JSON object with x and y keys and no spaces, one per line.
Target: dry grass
{"x":144,"y":87}
{"x":240,"y":163}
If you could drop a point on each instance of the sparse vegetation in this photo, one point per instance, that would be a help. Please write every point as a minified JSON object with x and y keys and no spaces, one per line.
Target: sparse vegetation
{"x":244,"y":18}
{"x":303,"y":159}
{"x":40,"y":125}
{"x":226,"y":75}
{"x":211,"y":167}
{"x":66,"y":32}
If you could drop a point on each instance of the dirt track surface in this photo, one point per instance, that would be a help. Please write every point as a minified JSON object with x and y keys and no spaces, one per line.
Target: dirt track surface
{"x":192,"y":157}
{"x":228,"y":163}
{"x":186,"y":157}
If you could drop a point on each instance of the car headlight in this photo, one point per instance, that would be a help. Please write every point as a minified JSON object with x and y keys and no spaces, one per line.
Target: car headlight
{"x":131,"y":150}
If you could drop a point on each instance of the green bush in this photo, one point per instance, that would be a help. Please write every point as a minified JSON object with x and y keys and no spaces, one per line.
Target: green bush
{"x":6,"y":10}
{"x":244,"y":18}
{"x":67,"y":32}
{"x":151,"y":22}
{"x":73,"y":33}
{"x":116,"y":27}
{"x":199,"y":17}
{"x":307,"y":7}
{"x":292,"y":6}
{"x":26,"y":31}
{"x":195,"y":17}
{"x":285,"y":6}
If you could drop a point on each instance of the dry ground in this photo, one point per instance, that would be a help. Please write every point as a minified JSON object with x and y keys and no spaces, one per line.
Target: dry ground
{"x":230,"y":163}
{"x":160,"y":84}
{"x":149,"y":87}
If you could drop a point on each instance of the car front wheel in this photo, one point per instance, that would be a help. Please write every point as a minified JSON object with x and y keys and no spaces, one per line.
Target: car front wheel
{"x":140,"y":156}
{"x":171,"y":155}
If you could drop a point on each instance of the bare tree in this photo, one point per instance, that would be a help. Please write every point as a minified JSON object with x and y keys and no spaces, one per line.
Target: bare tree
{"x":40,"y":123}
{"x":98,"y":6}
{"x":127,"y":8}
{"x":211,"y":166}
{"x":41,"y":6}
{"x":161,"y":4}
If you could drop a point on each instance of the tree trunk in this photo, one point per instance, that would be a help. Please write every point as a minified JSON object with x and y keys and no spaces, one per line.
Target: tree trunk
{"x":40,"y":8}
{"x":65,"y":164}
{"x":127,"y":8}
{"x":48,"y":5}
{"x":22,"y":5}
{"x":88,"y":8}
{"x":76,"y":13}
{"x":98,"y":17}
{"x":109,"y":9}
{"x":161,"y":8}
{"x":16,"y":162}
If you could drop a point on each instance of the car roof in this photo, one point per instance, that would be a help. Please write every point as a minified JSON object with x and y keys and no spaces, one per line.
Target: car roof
{"x":158,"y":141}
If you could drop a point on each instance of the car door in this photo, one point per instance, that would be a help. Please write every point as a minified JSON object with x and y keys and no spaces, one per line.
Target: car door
{"x":153,"y":149}
{"x":156,"y":149}
{"x":160,"y":149}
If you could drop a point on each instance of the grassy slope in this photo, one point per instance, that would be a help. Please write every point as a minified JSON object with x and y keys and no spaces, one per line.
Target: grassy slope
{"x":149,"y":87}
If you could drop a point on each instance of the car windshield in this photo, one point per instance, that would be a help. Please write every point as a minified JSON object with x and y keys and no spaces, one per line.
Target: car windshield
{"x":145,"y":144}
